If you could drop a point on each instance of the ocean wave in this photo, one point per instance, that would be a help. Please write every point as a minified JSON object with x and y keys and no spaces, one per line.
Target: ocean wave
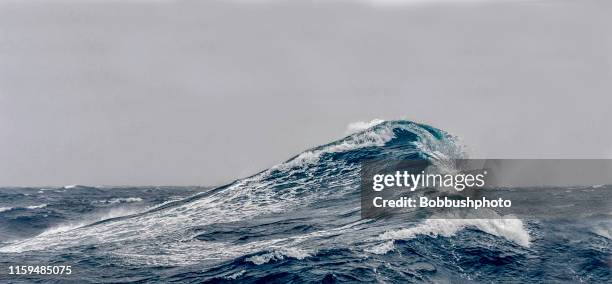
{"x":602,"y":228}
{"x":305,"y":212}
{"x":373,"y":137}
{"x":324,"y":173}
{"x":88,"y":220}
{"x":511,"y":229}
{"x":235,"y":275}
{"x":383,"y":248}
{"x":428,"y":141}
{"x":120,"y":200}
{"x":279,"y":254}
{"x":30,"y":207}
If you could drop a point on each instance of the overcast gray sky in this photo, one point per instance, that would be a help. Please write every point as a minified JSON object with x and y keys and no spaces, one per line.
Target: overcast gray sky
{"x":201,"y":92}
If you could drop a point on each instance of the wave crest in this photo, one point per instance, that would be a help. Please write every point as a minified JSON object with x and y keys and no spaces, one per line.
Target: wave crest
{"x":279,"y":254}
{"x":510,"y":229}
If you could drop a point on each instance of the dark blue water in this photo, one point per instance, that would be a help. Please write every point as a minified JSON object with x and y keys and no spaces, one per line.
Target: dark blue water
{"x":296,"y":222}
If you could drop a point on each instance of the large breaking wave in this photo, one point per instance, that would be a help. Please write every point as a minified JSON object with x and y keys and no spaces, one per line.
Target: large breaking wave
{"x":320,"y":184}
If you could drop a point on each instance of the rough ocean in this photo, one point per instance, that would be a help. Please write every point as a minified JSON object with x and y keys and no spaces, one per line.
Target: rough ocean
{"x":296,"y":222}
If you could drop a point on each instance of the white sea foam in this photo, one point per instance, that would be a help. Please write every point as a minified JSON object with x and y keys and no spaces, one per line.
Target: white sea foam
{"x":510,"y":229}
{"x":36,"y":206}
{"x":382,"y":248}
{"x":370,"y":137}
{"x":118,"y":212}
{"x":61,"y":228}
{"x":121,"y":200}
{"x":355,"y":127}
{"x":31,"y":207}
{"x":278,"y":254}
{"x":234,"y":276}
{"x":112,"y":213}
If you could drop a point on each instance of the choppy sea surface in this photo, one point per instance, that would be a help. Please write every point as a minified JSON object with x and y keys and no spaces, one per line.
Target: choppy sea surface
{"x":296,"y":222}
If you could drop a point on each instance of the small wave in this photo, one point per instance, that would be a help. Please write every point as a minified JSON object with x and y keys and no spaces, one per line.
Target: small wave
{"x":31,"y":207}
{"x":279,"y":254}
{"x":36,"y":206}
{"x":603,"y":229}
{"x":120,"y":200}
{"x":510,"y":229}
{"x":234,"y":276}
{"x":603,"y":232}
{"x":382,"y":248}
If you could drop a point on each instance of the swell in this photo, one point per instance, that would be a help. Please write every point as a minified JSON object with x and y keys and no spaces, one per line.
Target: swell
{"x":316,"y":176}
{"x":404,"y":139}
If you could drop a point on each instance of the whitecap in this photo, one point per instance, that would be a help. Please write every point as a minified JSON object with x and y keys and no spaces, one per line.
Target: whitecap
{"x":371,"y":137}
{"x":233,"y":276}
{"x":358,"y":126}
{"x":382,"y":248}
{"x":278,"y":254}
{"x":510,"y":229}
{"x":4,"y":209}
{"x":120,"y":200}
{"x":32,"y":207}
{"x":113,"y":213}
